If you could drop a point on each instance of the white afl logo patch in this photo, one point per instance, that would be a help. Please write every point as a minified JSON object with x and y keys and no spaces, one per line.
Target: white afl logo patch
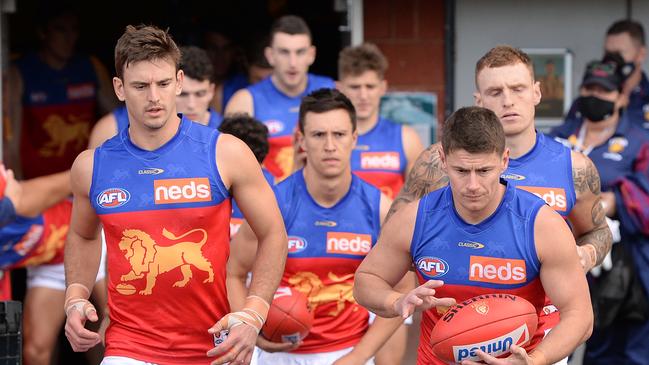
{"x":113,"y":198}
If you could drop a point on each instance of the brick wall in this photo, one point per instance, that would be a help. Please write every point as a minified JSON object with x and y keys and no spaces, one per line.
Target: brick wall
{"x":411,"y":34}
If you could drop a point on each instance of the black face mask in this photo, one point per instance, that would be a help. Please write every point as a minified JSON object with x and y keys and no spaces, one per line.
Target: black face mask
{"x":627,"y":69}
{"x":595,"y":109}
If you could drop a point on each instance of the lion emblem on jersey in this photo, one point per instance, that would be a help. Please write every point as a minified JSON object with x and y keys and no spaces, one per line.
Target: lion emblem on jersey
{"x":340,"y":291}
{"x":62,"y":133}
{"x":148,"y":259}
{"x":284,"y":160}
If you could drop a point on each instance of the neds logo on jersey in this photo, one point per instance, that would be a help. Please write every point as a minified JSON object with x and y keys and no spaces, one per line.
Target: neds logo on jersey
{"x":349,"y":243}
{"x":554,"y":197}
{"x":113,"y":198}
{"x":274,"y":126}
{"x":190,"y":190}
{"x":380,"y":160}
{"x":432,"y":266}
{"x":497,"y":270}
{"x":296,"y":244}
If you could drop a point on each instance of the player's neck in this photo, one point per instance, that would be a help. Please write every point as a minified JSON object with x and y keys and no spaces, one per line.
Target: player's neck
{"x":288,"y":90}
{"x":150,"y":139}
{"x":327,"y":191}
{"x":521,"y":143}
{"x":365,"y":125}
{"x":475,"y":217}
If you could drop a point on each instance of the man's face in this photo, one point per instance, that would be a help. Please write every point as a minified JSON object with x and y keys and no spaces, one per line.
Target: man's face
{"x":624,"y":44}
{"x":291,"y":56}
{"x":195,"y":98}
{"x":328,"y":141}
{"x":511,"y":93}
{"x":474,"y":178}
{"x":60,"y":36}
{"x":221,"y":52}
{"x":149,"y":89}
{"x":365,"y":92}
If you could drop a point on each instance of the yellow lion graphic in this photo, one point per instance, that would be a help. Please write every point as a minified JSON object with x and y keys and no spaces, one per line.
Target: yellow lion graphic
{"x":147,"y":257}
{"x":62,"y":133}
{"x":310,"y":285}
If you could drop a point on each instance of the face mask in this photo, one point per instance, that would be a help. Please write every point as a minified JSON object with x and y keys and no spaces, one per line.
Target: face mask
{"x":595,"y":109}
{"x":627,"y":69}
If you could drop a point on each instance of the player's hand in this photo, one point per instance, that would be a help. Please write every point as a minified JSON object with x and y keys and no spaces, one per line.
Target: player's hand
{"x":12,"y":188}
{"x":351,"y":358}
{"x":587,"y":256}
{"x":237,"y":349}
{"x":270,"y":346}
{"x":421,"y":298}
{"x":518,"y":356}
{"x":81,"y":339}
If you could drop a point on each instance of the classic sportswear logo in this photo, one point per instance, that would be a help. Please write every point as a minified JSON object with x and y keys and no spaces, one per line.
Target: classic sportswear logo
{"x":349,"y":243}
{"x":494,"y":347}
{"x":470,"y":244}
{"x":150,"y":171}
{"x":274,"y":126}
{"x":296,"y":244}
{"x":380,"y":160}
{"x":554,"y":197}
{"x":113,"y":198}
{"x":326,"y":223}
{"x":496,"y":270}
{"x":190,"y":190}
{"x":432,"y":266}
{"x":509,"y":176}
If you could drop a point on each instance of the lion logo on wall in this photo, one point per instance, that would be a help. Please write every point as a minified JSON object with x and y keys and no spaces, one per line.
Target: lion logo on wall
{"x":148,"y":259}
{"x":310,"y":285}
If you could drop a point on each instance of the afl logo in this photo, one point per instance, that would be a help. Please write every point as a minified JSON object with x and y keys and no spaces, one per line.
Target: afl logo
{"x":274,"y":126}
{"x":113,"y":198}
{"x":296,"y":244}
{"x":432,"y":266}
{"x":512,"y":177}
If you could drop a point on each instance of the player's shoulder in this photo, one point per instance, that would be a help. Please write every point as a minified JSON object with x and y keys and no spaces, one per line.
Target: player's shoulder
{"x":240,"y":102}
{"x":550,"y":144}
{"x":321,"y":80}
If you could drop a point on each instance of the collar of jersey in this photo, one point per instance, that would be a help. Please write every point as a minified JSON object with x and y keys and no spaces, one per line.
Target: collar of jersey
{"x":170,"y":145}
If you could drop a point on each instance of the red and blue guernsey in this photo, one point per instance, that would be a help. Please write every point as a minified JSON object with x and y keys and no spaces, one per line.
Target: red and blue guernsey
{"x":379,"y":157}
{"x":545,"y":171}
{"x":325,"y":246}
{"x":166,"y":217}
{"x":497,"y":255}
{"x":279,"y":112}
{"x":59,"y":109}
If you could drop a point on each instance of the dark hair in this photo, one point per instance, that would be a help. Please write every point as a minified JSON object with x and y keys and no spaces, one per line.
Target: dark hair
{"x":289,"y":24}
{"x":503,"y":55}
{"x":324,"y":100}
{"x":144,"y":43}
{"x":353,"y":61}
{"x":195,"y":63}
{"x":635,"y":30}
{"x":248,"y":129}
{"x":473,"y":129}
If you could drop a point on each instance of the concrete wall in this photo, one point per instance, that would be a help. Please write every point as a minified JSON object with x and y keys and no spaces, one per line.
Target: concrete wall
{"x":578,"y":25}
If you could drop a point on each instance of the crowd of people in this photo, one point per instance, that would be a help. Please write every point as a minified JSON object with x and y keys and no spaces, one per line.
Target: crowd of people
{"x":154,"y":217}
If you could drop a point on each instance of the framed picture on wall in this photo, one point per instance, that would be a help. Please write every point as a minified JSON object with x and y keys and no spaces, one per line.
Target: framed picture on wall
{"x":553,"y":69}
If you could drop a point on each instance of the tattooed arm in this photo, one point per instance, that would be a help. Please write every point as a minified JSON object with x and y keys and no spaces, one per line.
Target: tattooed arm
{"x":425,"y":176}
{"x":587,"y":217}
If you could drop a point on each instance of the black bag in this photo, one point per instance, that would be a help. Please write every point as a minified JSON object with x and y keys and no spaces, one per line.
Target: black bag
{"x":618,"y":294}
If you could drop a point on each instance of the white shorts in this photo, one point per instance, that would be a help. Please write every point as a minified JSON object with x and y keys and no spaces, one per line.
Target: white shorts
{"x":53,"y":276}
{"x":287,"y":358}
{"x":121,"y":360}
{"x":407,"y":321}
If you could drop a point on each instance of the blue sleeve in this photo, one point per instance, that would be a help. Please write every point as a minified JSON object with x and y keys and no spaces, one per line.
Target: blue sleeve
{"x":632,"y":195}
{"x":7,"y":212}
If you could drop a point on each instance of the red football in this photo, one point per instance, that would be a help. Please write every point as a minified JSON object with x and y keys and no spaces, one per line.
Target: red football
{"x":289,"y":317}
{"x":488,"y":322}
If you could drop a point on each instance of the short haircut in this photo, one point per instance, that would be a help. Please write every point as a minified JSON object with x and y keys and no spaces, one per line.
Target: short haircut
{"x":635,"y":30}
{"x":289,"y":24}
{"x":354,"y":61}
{"x":324,"y":100}
{"x":248,"y":129}
{"x":473,"y":129}
{"x":144,"y":43}
{"x":503,"y":55}
{"x":195,"y":63}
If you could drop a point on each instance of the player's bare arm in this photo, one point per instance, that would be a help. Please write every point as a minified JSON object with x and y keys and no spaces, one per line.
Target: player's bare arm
{"x":43,"y":192}
{"x":386,"y":265}
{"x":82,"y":256}
{"x":412,"y":146}
{"x":588,"y":216}
{"x":565,"y":285}
{"x":240,"y":102}
{"x":426,"y":175}
{"x":104,"y":129}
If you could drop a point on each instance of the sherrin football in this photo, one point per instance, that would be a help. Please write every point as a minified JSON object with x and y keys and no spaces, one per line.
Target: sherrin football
{"x":488,"y":322}
{"x":289,"y":317}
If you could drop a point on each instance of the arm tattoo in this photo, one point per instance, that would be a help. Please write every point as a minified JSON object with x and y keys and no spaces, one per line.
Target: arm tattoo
{"x":425,"y":176}
{"x":586,"y":178}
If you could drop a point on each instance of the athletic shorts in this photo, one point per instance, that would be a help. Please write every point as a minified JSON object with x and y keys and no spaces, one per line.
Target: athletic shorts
{"x":287,"y":358}
{"x":121,"y":360}
{"x":408,"y":320}
{"x":53,"y":276}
